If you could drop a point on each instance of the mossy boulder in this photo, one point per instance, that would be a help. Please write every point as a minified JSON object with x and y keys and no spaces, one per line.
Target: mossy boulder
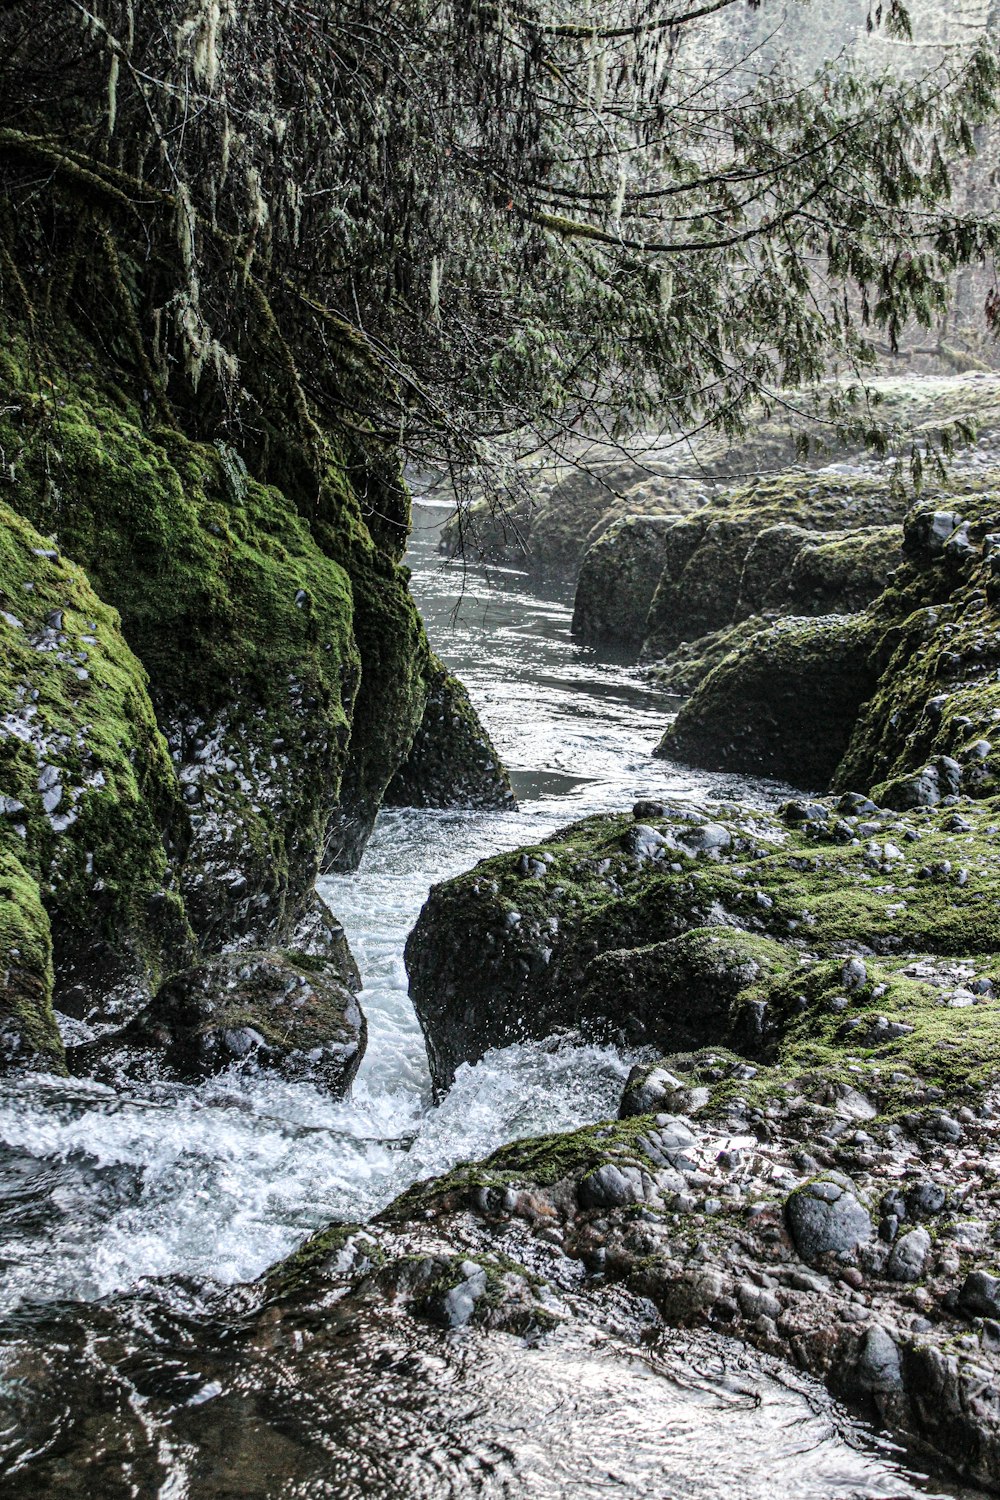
{"x":29,"y":1036}
{"x":452,"y":762}
{"x":679,"y":994}
{"x":533,"y":940}
{"x":279,"y":1012}
{"x":783,"y":703}
{"x":618,"y":578}
{"x":244,"y":626}
{"x":90,"y":809}
{"x":735,"y":557}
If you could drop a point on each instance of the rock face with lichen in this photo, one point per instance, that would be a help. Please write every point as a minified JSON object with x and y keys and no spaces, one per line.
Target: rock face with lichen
{"x":199,"y":712}
{"x":90,"y":809}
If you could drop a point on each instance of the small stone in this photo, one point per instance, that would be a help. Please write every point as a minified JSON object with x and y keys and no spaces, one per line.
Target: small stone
{"x":854,"y":974}
{"x":909,"y":1256}
{"x":708,"y":838}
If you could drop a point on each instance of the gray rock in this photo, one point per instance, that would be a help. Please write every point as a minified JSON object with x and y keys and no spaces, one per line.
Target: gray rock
{"x":854,"y":974}
{"x":643,"y":842}
{"x":709,"y":838}
{"x":802,"y":811}
{"x":930,"y":531}
{"x":648,"y":1090}
{"x":610,"y":1187}
{"x":825,"y":1217}
{"x":925,"y":1200}
{"x":922,"y":789}
{"x":878,"y":1367}
{"x":909,"y":1256}
{"x":458,"y":1305}
{"x":980,"y":1295}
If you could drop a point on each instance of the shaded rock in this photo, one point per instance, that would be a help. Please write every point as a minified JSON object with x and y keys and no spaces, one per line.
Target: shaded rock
{"x":282,"y":1012}
{"x":452,"y":762}
{"x":782,"y":705}
{"x":618,"y":577}
{"x":980,"y":1295}
{"x":825,"y":1217}
{"x":649,"y":1089}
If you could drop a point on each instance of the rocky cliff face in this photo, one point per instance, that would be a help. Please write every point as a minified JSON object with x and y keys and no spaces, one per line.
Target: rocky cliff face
{"x":199,"y":712}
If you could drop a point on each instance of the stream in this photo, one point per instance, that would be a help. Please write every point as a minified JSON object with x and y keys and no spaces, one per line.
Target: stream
{"x":124,"y":1211}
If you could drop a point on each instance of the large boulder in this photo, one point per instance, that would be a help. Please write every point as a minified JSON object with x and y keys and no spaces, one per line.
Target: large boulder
{"x":783,"y":703}
{"x":618,"y":578}
{"x":92,"y":824}
{"x":592,"y":930}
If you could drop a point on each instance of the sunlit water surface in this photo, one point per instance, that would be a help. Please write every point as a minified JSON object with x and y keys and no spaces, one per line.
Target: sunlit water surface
{"x":101,"y":1187}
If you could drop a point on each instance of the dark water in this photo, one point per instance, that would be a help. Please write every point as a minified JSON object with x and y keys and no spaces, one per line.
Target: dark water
{"x":124,"y":1211}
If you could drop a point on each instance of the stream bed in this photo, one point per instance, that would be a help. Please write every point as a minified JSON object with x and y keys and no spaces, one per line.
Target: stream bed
{"x":124,"y":1211}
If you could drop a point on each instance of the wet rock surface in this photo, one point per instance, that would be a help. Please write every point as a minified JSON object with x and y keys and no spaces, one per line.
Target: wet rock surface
{"x":452,"y":762}
{"x":277,"y":1012}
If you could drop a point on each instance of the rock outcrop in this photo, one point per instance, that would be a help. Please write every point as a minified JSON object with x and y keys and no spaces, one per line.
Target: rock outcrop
{"x":451,"y":761}
{"x":201,"y":710}
{"x":903,"y":692}
{"x":616,"y":926}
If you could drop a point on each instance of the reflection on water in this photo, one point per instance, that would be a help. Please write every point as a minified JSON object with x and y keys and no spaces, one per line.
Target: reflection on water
{"x":101,"y":1187}
{"x":359,"y":1402}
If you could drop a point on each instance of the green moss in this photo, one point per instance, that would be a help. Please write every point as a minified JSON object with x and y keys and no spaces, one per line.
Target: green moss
{"x":938,"y":650}
{"x":245,"y":625}
{"x":75,"y":712}
{"x":28,"y":1030}
{"x":298,"y":1273}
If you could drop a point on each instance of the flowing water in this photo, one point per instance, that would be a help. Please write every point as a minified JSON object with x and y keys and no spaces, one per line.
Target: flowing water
{"x":104,"y":1190}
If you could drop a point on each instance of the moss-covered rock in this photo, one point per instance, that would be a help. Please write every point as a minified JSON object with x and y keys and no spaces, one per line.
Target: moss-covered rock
{"x":678,"y":994}
{"x":244,"y":626}
{"x":618,"y":578}
{"x":281,"y":1012}
{"x":451,"y":762}
{"x":29,"y":1036}
{"x":89,"y":805}
{"x":938,"y":653}
{"x":521,"y":945}
{"x":735,"y":557}
{"x":783,"y":703}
